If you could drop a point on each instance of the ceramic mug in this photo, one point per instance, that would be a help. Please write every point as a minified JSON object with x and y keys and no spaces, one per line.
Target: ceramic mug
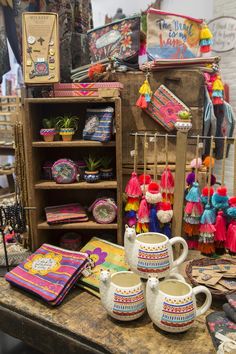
{"x":122,"y":295}
{"x":151,"y":253}
{"x":171,"y":304}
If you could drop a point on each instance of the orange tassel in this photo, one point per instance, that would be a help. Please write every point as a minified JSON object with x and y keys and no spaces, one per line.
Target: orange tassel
{"x":207,"y":248}
{"x":191,"y":230}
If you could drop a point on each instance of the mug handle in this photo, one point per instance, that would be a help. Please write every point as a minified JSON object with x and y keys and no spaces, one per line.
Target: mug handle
{"x":202,"y":289}
{"x":184,"y":254}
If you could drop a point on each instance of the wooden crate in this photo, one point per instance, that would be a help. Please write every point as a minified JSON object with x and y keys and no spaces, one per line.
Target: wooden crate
{"x":44,"y":193}
{"x":188,"y":85}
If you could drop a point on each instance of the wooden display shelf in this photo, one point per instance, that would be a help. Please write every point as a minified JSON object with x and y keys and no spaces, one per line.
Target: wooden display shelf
{"x":73,"y":143}
{"x":80,"y":185}
{"x":92,"y":225}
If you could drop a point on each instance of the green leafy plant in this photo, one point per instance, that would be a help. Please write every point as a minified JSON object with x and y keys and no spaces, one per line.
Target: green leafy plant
{"x":49,"y":123}
{"x":106,"y":162}
{"x":92,"y":163}
{"x":67,"y":121}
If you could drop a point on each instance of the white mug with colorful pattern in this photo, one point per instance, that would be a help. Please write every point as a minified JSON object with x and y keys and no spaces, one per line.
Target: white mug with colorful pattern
{"x":122,"y":295}
{"x":151,"y":253}
{"x":171,"y":304}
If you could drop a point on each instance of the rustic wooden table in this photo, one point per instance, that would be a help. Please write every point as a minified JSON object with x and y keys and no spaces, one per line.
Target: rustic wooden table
{"x":80,"y":325}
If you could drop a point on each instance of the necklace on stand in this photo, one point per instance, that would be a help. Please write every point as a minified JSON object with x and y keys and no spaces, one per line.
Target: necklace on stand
{"x":41,"y":66}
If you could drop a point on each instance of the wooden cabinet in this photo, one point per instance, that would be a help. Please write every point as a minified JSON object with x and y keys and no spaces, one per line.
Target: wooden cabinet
{"x":44,"y":193}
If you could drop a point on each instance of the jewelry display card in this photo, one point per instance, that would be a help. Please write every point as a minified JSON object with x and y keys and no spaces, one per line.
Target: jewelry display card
{"x":41,"y":64}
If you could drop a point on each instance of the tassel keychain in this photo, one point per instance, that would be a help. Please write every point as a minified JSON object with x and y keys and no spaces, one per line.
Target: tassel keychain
{"x":218,"y":91}
{"x":193,"y":209}
{"x":145,"y":93}
{"x":207,"y":228}
{"x":205,"y":39}
{"x":153,"y":195}
{"x":133,"y":191}
{"x":165,"y":212}
{"x":143,"y":211}
{"x":167,"y":182}
{"x":220,"y":225}
{"x":231,"y":213}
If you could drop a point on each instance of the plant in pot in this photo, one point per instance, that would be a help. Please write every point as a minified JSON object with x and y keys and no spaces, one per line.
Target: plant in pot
{"x":68,"y":125}
{"x":48,"y":131}
{"x":91,"y":174}
{"x":106,"y":171}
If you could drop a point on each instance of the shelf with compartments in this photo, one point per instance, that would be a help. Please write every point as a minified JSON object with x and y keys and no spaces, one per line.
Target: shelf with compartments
{"x":43,"y":193}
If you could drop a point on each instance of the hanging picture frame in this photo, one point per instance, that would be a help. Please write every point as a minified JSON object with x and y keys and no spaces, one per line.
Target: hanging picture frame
{"x":41,"y":61}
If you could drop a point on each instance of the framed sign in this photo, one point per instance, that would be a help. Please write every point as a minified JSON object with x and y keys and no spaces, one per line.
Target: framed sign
{"x":224,"y":33}
{"x":41,"y":64}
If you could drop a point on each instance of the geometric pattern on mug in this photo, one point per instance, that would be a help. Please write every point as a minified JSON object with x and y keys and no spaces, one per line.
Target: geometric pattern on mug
{"x":128,"y":303}
{"x":153,"y":261}
{"x":178,"y":313}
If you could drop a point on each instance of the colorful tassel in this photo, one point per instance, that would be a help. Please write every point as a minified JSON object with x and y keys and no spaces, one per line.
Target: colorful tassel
{"x":154,"y":225}
{"x":194,"y":193}
{"x":153,"y":195}
{"x":220,"y":200}
{"x":218,"y":91}
{"x":133,"y":192}
{"x":165,"y":213}
{"x":145,"y":95}
{"x":133,"y":189}
{"x":132,"y":204}
{"x":205,"y":39}
{"x":231,"y":232}
{"x":190,"y":178}
{"x":167,"y":185}
{"x":204,"y":195}
{"x":144,"y":181}
{"x":143,"y":216}
{"x":207,"y":231}
{"x":220,"y":233}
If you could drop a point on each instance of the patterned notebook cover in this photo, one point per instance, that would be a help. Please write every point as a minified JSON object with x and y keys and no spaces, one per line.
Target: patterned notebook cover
{"x":67,"y":213}
{"x":49,"y":273}
{"x":105,"y":255}
{"x":164,"y":107}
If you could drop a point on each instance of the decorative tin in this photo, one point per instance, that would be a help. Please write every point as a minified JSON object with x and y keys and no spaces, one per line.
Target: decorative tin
{"x":64,"y":171}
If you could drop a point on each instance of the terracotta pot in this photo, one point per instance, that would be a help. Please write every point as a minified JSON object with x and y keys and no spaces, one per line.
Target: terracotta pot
{"x":92,"y":176}
{"x":48,"y":134}
{"x":67,"y":133}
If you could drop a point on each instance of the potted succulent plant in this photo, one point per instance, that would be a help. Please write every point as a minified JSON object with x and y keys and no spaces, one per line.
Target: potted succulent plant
{"x":91,"y":173}
{"x":106,"y":170}
{"x":48,"y":131}
{"x":68,"y":125}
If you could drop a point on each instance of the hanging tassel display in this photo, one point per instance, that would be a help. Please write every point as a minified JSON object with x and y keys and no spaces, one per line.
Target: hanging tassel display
{"x":208,"y":218}
{"x":193,"y":209}
{"x":133,"y":192}
{"x":205,"y":39}
{"x":231,"y":232}
{"x":143,"y":217}
{"x":218,"y":91}
{"x":167,"y":182}
{"x":145,"y":94}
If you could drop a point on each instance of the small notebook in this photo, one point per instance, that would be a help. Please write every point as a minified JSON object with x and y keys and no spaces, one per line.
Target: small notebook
{"x":67,"y":213}
{"x":105,"y":255}
{"x":164,"y":108}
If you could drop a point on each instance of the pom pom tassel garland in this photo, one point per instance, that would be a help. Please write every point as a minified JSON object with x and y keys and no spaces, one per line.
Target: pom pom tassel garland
{"x":145,"y":94}
{"x":205,"y":39}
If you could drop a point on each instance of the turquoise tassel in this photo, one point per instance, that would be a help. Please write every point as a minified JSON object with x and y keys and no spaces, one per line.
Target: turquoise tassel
{"x":208,"y":216}
{"x":194,"y":194}
{"x":220,"y":202}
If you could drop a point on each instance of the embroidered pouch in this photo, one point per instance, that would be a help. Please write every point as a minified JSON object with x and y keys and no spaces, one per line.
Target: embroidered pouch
{"x":164,"y":107}
{"x":49,"y":273}
{"x":120,"y":39}
{"x":67,"y":213}
{"x":64,"y":171}
{"x":172,"y":36}
{"x":98,"y":124}
{"x":104,"y":210}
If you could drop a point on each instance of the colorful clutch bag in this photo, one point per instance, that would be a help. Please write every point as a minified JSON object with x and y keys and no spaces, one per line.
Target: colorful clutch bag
{"x":104,"y":210}
{"x":164,"y":108}
{"x":67,"y":213}
{"x":120,"y":39}
{"x":98,"y":124}
{"x":64,"y":171}
{"x":49,"y":273}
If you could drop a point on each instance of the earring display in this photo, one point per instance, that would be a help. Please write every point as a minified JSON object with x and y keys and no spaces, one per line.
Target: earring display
{"x":40,"y":48}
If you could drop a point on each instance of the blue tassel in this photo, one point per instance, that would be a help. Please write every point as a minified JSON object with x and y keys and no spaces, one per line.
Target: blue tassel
{"x":131,"y":214}
{"x":208,"y":216}
{"x":217,"y":93}
{"x":147,"y":97}
{"x":154,"y":225}
{"x":194,"y":194}
{"x":231,"y":212}
{"x":205,"y":42}
{"x":220,"y":202}
{"x":204,"y":200}
{"x":167,"y":230}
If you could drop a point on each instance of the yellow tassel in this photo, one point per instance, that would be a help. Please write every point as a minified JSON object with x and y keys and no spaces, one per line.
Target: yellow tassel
{"x":132,"y":206}
{"x":145,"y":89}
{"x":205,"y":33}
{"x":218,"y":85}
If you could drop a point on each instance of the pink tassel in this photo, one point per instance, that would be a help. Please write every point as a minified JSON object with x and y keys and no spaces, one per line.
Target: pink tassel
{"x":220,"y":226}
{"x":141,"y":102}
{"x":143,"y":212}
{"x":167,"y":181}
{"x":192,"y":244}
{"x":133,"y":188}
{"x":189,"y":208}
{"x":207,"y":228}
{"x":198,"y":208}
{"x":231,"y":237}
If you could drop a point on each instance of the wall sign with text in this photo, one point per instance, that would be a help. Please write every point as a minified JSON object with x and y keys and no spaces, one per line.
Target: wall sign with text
{"x":224,"y":33}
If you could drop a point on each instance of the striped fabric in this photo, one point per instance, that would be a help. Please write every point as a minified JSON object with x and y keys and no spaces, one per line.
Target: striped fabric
{"x":98,"y":125}
{"x":49,"y":273}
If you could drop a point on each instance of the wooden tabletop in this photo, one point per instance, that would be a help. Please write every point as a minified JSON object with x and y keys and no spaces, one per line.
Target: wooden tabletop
{"x":81,"y":325}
